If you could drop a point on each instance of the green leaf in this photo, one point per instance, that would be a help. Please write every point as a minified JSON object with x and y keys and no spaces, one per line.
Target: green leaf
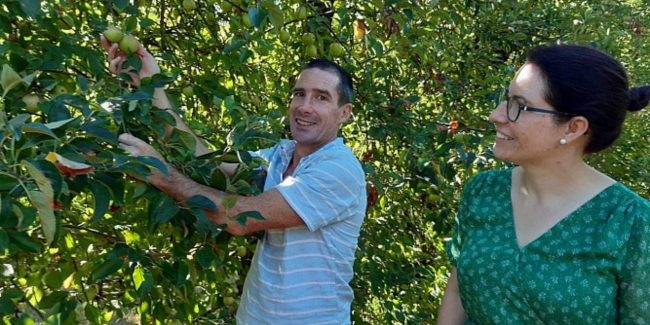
{"x":162,"y":208}
{"x":228,"y":201}
{"x":93,"y":314}
{"x":242,"y":218}
{"x":31,"y":7}
{"x":9,"y":79}
{"x":43,"y":201}
{"x":101,"y":196}
{"x":101,"y":133}
{"x":200,"y":201}
{"x":52,"y":299}
{"x":205,"y":256}
{"x":275,"y":14}
{"x":143,"y":281}
{"x":46,"y":214}
{"x":152,"y":162}
{"x":53,"y":320}
{"x":234,"y":45}
{"x":188,"y":139}
{"x":23,"y":242}
{"x":58,"y":124}
{"x":4,"y":240}
{"x":106,"y":268}
{"x":254,"y":17}
{"x":38,"y":128}
{"x":7,"y":305}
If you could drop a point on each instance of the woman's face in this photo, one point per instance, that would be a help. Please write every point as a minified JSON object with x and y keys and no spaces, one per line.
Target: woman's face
{"x":534,"y":137}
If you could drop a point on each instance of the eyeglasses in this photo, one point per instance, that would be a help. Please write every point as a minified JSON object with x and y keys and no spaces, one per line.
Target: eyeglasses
{"x":514,"y":108}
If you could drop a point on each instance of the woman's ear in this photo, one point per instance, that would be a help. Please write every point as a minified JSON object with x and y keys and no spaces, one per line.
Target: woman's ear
{"x":576,"y":127}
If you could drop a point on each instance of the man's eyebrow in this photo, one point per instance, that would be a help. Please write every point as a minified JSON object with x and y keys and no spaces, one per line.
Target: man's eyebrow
{"x":316,"y":90}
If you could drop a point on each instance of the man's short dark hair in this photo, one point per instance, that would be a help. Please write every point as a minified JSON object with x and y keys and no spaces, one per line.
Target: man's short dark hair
{"x":344,"y":88}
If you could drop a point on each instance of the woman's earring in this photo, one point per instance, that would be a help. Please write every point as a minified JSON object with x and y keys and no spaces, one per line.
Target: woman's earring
{"x":563,"y":141}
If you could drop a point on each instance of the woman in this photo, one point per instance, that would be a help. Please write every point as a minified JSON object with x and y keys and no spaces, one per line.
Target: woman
{"x":553,"y":241}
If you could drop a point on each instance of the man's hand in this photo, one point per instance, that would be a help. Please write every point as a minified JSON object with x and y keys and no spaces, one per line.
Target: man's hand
{"x":137,"y":148}
{"x":116,"y":59}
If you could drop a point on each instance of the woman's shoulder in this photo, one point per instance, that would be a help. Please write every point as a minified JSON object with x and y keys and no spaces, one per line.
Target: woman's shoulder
{"x":624,"y":198}
{"x":494,"y":177}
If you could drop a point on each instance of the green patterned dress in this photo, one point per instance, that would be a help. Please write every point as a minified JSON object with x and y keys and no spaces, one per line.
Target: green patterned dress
{"x":593,"y":267}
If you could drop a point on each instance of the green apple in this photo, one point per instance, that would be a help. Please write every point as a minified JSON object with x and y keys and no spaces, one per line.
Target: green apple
{"x":336,"y":49}
{"x":226,"y":6}
{"x":189,"y":5}
{"x":59,"y":90}
{"x":241,"y":251}
{"x":229,"y":301}
{"x":256,"y":100}
{"x":247,"y":21}
{"x":302,"y":12}
{"x":285,"y":36}
{"x":188,"y":91}
{"x":113,"y":34}
{"x":245,"y":99}
{"x":311,"y":51}
{"x":31,"y":102}
{"x":308,"y":39}
{"x":128,"y":44}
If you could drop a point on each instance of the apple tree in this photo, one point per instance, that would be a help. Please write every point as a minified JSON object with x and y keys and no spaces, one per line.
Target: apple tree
{"x":84,"y":240}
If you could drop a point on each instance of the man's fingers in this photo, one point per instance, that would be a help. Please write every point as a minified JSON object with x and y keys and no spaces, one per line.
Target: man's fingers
{"x":112,"y":51}
{"x":130,"y":140}
{"x":104,"y":42}
{"x":115,"y":64}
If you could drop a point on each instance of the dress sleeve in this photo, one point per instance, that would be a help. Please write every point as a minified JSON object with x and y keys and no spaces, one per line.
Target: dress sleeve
{"x":454,"y":246}
{"x":634,"y":285}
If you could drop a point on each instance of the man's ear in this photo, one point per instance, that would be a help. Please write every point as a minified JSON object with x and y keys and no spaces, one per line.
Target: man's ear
{"x":346,"y":111}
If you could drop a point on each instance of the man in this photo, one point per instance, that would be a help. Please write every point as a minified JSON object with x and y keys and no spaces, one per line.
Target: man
{"x":313,"y":203}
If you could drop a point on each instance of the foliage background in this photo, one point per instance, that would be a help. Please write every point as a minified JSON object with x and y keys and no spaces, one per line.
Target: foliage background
{"x":100,"y":247}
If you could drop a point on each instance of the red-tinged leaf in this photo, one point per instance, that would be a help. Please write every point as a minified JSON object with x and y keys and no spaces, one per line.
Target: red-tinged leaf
{"x":68,"y":167}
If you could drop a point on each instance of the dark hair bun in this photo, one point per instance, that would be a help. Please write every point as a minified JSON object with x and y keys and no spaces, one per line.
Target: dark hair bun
{"x":639,"y":98}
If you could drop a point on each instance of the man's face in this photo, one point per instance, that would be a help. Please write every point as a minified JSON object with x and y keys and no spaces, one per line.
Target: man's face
{"x":314,"y":111}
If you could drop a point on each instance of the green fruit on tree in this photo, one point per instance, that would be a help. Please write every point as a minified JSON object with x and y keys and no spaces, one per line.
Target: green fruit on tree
{"x":31,"y":102}
{"x":256,"y":100}
{"x":128,"y":44}
{"x":336,"y":49}
{"x":311,"y":51}
{"x":66,"y":22}
{"x":302,"y":12}
{"x":59,"y":90}
{"x":284,"y":36}
{"x":189,"y":5}
{"x":226,"y":6}
{"x":246,"y":20}
{"x":262,"y":51}
{"x":175,"y":322}
{"x":228,"y":301}
{"x":241,"y":251}
{"x":188,"y":91}
{"x":113,"y":34}
{"x":245,"y":99}
{"x":308,"y":39}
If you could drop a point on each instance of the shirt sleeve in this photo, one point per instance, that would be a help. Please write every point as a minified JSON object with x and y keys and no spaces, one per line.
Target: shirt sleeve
{"x":634,"y":285}
{"x":326,"y":192}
